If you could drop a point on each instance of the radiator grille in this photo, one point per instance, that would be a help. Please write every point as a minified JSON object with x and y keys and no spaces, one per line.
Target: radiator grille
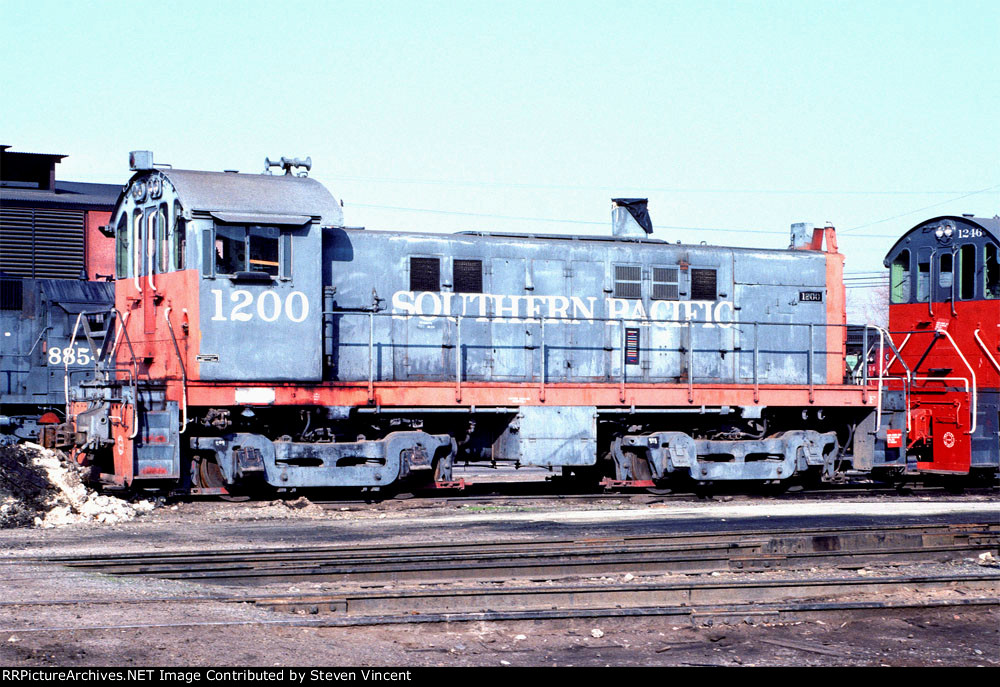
{"x":41,"y":243}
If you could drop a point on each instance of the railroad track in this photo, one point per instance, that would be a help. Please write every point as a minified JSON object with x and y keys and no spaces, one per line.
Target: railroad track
{"x":553,"y":558}
{"x":748,"y":601}
{"x":569,"y":577}
{"x":490,"y":492}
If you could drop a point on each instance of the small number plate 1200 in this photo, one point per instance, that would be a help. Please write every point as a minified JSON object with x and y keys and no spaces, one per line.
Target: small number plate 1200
{"x":811,"y":296}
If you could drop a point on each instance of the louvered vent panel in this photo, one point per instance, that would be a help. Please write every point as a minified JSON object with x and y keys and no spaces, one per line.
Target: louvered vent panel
{"x":41,"y":243}
{"x":628,"y":281}
{"x":665,"y":283}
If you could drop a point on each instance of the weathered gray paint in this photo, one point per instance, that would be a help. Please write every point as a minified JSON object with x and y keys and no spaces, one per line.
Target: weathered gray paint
{"x":367,"y":269}
{"x":550,"y":435}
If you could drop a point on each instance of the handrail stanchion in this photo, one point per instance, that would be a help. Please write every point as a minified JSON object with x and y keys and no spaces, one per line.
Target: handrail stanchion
{"x":541,"y":363}
{"x":756,"y":354}
{"x":458,"y":357}
{"x":812,"y":396}
{"x":371,"y":357}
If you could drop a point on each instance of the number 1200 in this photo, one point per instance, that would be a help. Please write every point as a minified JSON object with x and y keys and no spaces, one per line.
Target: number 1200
{"x":268,"y":306}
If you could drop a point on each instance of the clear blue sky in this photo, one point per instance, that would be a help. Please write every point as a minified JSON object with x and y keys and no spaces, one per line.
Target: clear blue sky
{"x":744,"y":116}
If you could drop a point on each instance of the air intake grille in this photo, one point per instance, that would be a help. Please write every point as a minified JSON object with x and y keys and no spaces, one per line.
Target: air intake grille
{"x":666,"y":281}
{"x":468,"y":276}
{"x":41,"y":243}
{"x":628,"y":281}
{"x":11,"y":291}
{"x":703,"y":287}
{"x":425,"y":274}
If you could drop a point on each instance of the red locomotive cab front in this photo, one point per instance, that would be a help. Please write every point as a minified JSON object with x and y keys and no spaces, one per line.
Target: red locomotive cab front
{"x":943,"y":315}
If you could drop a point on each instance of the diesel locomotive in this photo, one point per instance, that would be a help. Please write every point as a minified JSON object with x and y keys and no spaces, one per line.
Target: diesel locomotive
{"x":258,"y":342}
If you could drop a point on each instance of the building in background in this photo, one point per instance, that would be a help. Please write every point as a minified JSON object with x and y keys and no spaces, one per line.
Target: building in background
{"x":51,"y":228}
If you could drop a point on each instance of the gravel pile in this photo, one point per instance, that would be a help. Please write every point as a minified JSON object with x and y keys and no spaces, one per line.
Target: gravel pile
{"x":42,"y":488}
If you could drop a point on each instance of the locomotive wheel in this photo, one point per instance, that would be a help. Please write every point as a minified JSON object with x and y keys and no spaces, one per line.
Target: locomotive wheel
{"x":206,"y":474}
{"x":639,"y":468}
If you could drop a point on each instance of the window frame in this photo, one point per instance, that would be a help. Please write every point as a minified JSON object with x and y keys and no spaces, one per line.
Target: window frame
{"x":993,"y":248}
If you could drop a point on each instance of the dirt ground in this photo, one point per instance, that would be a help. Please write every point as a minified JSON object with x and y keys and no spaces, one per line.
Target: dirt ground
{"x":213,"y":633}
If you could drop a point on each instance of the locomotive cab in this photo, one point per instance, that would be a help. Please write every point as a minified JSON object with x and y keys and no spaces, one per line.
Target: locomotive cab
{"x":218,"y":281}
{"x":944,"y":315}
{"x":197,"y":248}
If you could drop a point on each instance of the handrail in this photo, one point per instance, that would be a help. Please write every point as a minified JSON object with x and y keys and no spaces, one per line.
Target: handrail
{"x":72,"y":342}
{"x":930,"y":283}
{"x":972,"y":373}
{"x":885,"y":335}
{"x":899,"y":352}
{"x":458,"y":360}
{"x":986,"y":350}
{"x":953,"y":379}
{"x":177,"y":350}
{"x":622,"y":323}
{"x":37,"y":339}
{"x":135,"y":369}
{"x":137,"y":253}
{"x":150,"y":238}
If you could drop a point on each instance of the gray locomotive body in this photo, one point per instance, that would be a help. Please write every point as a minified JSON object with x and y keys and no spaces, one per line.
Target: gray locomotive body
{"x":477,"y":305}
{"x":261,"y":340}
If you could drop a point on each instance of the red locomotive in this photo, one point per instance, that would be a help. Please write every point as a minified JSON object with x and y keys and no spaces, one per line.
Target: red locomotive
{"x":944,"y":315}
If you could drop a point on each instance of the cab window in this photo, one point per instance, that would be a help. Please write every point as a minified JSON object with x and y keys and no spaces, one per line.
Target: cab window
{"x":991,"y":273}
{"x":178,"y":238}
{"x":253,"y":248}
{"x":967,"y":272}
{"x":945,"y":271}
{"x":123,"y":244}
{"x":230,"y":249}
{"x":263,"y":250}
{"x":138,"y":266}
{"x":923,"y":280}
{"x":899,"y":275}
{"x":162,"y":240}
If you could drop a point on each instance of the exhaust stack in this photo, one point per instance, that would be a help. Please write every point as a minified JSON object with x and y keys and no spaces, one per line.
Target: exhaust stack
{"x":630,"y":218}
